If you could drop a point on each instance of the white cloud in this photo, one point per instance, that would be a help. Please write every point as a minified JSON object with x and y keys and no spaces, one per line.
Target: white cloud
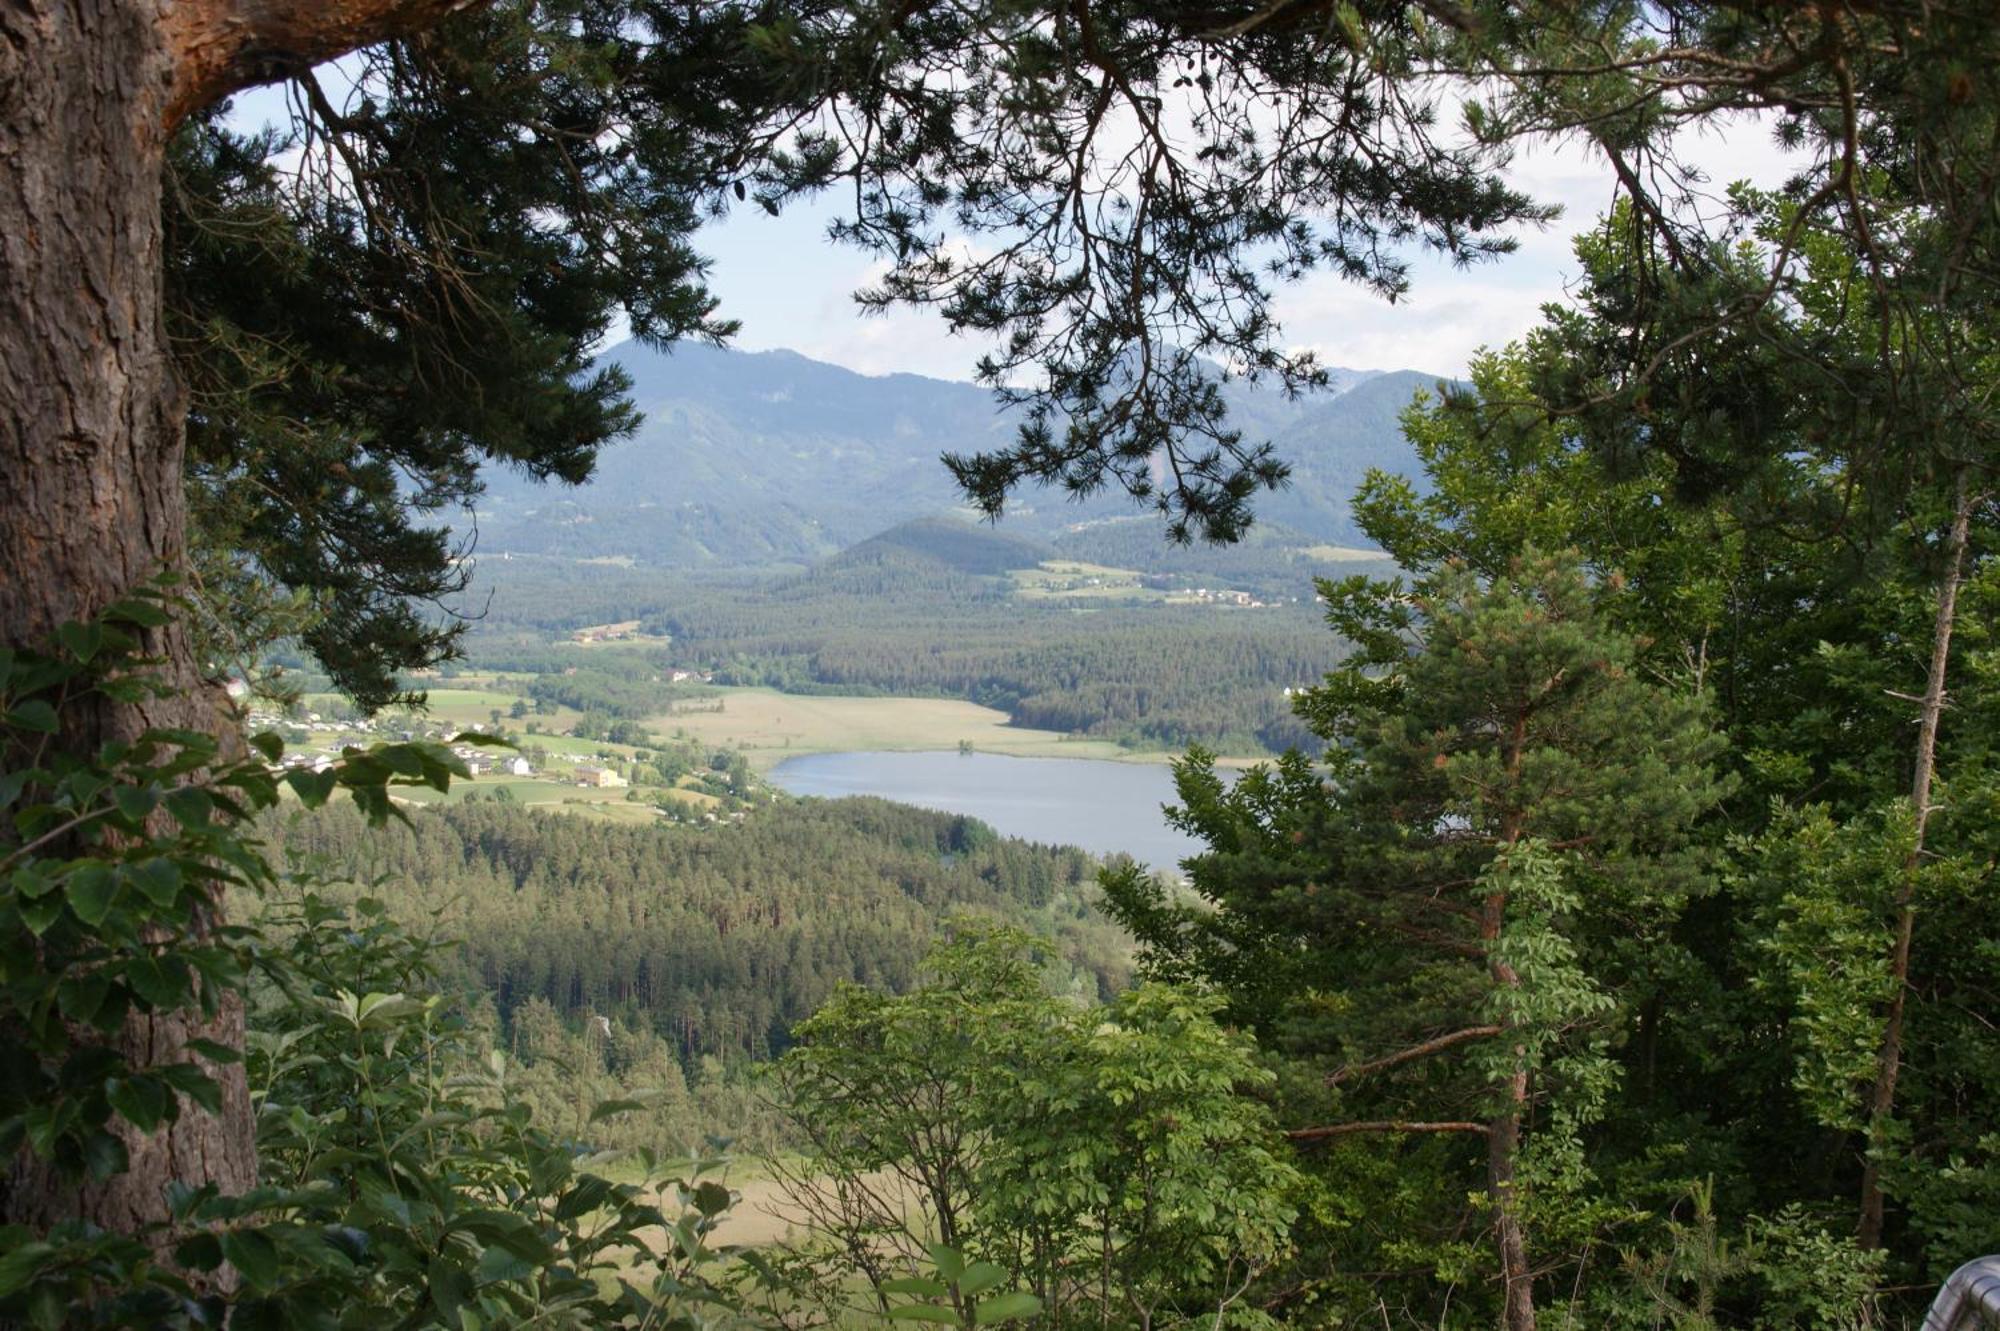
{"x":1449,"y":313}
{"x":793,"y":289}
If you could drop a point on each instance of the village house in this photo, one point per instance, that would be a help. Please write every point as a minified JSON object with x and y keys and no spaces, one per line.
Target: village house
{"x":603,"y":778}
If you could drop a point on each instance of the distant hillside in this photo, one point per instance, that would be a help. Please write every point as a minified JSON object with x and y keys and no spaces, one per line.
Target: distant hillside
{"x":1272,"y":560}
{"x":956,"y":544}
{"x":1333,"y":444}
{"x":770,"y":459}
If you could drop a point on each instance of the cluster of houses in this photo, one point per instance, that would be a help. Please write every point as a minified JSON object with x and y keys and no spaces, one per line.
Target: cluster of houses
{"x":1212,"y":596}
{"x":607,"y":633}
{"x":265,"y":720}
{"x":479,"y":762}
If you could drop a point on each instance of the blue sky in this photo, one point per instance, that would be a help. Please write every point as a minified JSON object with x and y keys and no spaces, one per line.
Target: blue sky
{"x":792,"y":288}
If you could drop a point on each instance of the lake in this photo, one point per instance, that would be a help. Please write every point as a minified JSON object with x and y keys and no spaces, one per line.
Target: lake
{"x":1104,"y":807}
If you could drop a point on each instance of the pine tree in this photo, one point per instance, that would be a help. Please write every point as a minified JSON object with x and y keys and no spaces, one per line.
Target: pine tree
{"x":1465,"y":909}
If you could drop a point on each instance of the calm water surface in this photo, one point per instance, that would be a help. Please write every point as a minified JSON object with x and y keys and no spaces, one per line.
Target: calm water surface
{"x":1105,"y":807}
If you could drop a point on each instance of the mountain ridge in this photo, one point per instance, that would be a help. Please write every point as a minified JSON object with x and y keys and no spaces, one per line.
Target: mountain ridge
{"x":773,"y":459}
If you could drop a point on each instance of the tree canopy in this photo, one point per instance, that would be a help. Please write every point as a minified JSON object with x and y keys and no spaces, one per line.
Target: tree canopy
{"x":406,"y":282}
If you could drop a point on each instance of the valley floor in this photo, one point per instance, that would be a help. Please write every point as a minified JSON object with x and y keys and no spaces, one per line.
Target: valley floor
{"x":769,"y":727}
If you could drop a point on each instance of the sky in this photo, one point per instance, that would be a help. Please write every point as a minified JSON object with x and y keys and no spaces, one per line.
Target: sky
{"x":791,"y":288}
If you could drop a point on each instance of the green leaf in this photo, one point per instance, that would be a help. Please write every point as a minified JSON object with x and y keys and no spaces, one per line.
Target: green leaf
{"x":377,"y":1011}
{"x":270,"y":745}
{"x":91,"y":890}
{"x":20,"y":1264}
{"x":509,"y":1230}
{"x":312,"y":788}
{"x":140,"y":1101}
{"x":450,"y":1287}
{"x":980,"y":1277}
{"x":143,"y":613}
{"x":190,"y":806}
{"x":35,"y":714}
{"x":1006,"y":1308}
{"x":588,"y":1194}
{"x":200,"y":1252}
{"x":711,"y":1198}
{"x":48,"y":1308}
{"x":162,"y":982}
{"x":949,"y":1261}
{"x":195,"y":1084}
{"x":158,"y":878}
{"x":104,"y":1155}
{"x":40,"y":913}
{"x":923,"y":1312}
{"x":136,"y":802}
{"x":215,"y":1053}
{"x":82,"y":640}
{"x":606,"y":1108}
{"x":31,"y":881}
{"x":497,"y":1266}
{"x":81,"y":995}
{"x":348,"y":1241}
{"x":253,"y":1255}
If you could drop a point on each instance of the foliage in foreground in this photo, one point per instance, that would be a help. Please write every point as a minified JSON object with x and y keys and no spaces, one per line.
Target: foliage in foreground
{"x":1110,"y":1160}
{"x":1724,"y":917}
{"x":404,"y":1183}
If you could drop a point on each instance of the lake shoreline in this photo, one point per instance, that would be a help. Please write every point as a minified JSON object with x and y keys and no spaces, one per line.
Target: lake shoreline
{"x":1101,"y":806}
{"x":769,"y":726}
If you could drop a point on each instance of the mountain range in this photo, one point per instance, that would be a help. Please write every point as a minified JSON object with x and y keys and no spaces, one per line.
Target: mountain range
{"x":763,"y":459}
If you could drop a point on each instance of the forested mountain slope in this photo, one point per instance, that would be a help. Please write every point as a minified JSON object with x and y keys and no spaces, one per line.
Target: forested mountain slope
{"x":925,"y":609}
{"x":718,"y":938}
{"x":749,"y":459}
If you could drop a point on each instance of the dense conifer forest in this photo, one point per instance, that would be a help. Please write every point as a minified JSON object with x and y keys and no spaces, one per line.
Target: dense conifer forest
{"x":718,"y":939}
{"x":890,"y":618}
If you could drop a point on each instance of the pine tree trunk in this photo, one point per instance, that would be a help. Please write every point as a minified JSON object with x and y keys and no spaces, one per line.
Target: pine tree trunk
{"x":1503,"y":1147}
{"x":1503,"y":1133}
{"x":90,"y":465}
{"x":1882,"y":1099}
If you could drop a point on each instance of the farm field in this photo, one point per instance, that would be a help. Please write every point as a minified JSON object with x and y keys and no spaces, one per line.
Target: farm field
{"x":770,"y":726}
{"x":535,"y":793}
{"x":765,"y":1211}
{"x":1069,"y":580}
{"x":1343,"y":554}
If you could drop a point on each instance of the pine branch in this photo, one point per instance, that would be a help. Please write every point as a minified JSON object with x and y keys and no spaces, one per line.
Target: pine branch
{"x":1381,"y":1125}
{"x":1414,"y":1052}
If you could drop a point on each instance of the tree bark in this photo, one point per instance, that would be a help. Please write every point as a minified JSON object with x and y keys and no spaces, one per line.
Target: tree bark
{"x":1882,"y":1097}
{"x":92,"y":420}
{"x":1503,"y":1133}
{"x":1503,"y":1147}
{"x":90,"y":468}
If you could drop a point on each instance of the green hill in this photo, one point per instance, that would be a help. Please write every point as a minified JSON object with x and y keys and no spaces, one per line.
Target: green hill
{"x":763,"y":460}
{"x":955,"y":544}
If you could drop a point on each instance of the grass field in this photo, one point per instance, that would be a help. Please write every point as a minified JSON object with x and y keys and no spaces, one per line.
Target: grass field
{"x":770,"y":727}
{"x":535,"y":793}
{"x":765,"y":1212}
{"x":568,"y":745}
{"x":1343,"y":554}
{"x":1068,"y":580}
